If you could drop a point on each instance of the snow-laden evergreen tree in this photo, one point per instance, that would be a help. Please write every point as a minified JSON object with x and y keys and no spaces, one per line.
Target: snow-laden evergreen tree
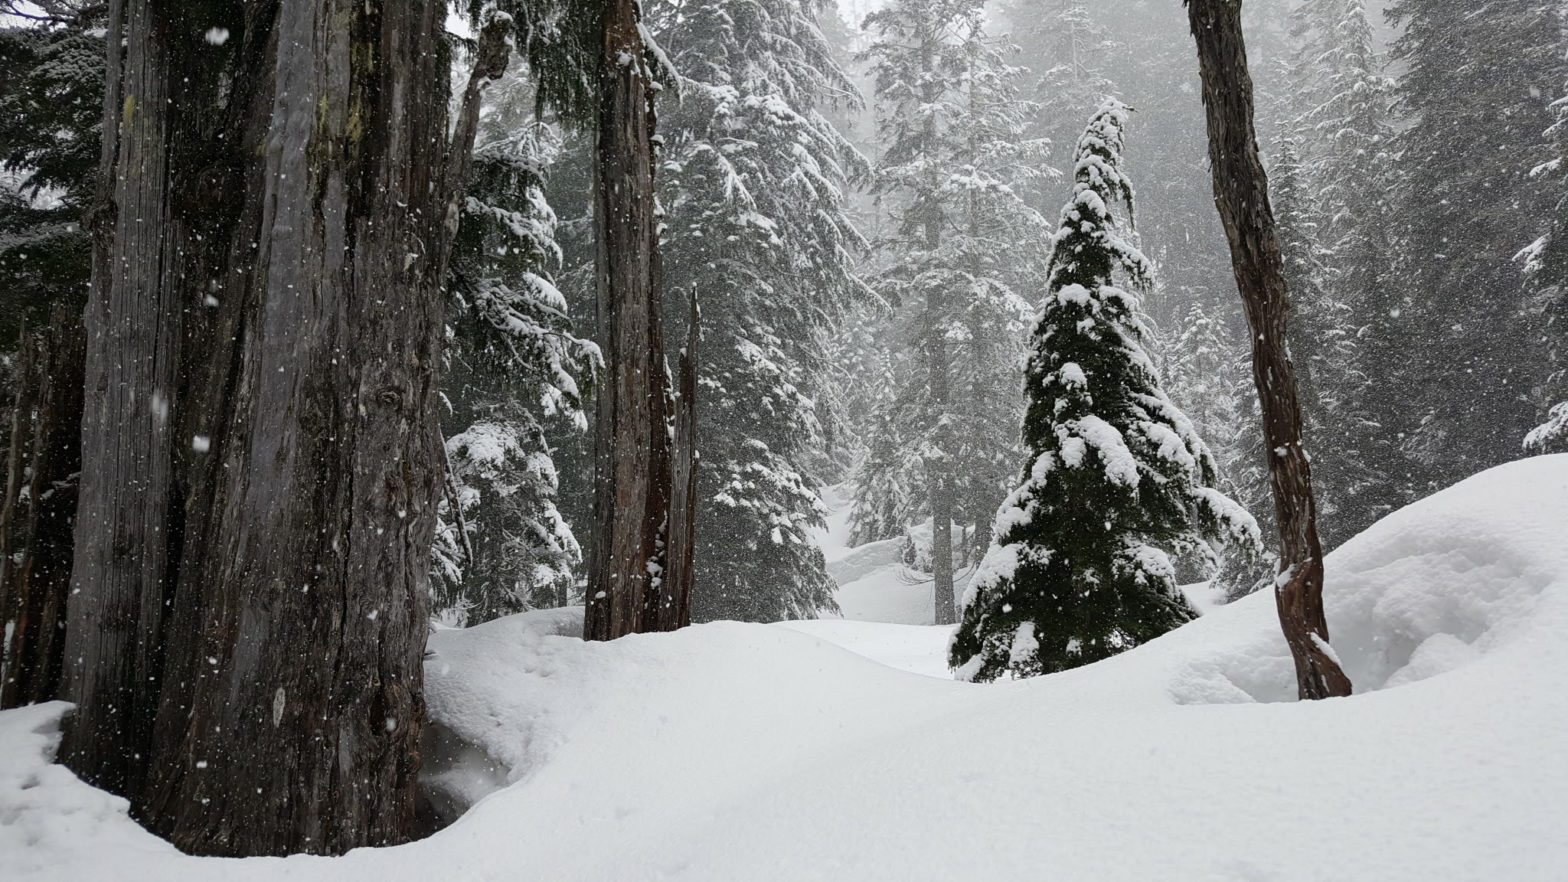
{"x":51,"y":112}
{"x":1325,"y":347}
{"x":889,"y":489}
{"x":754,"y":187}
{"x":962,"y":248}
{"x":859,"y":378}
{"x":1117,"y":481}
{"x":1477,"y":87}
{"x":1206,"y":369}
{"x":1078,"y":54}
{"x":514,"y":364}
{"x":1355,"y":328}
{"x":1552,"y":435}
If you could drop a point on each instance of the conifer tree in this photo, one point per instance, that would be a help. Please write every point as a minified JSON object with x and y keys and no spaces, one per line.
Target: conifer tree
{"x":956,"y":160}
{"x":1352,"y":322}
{"x":1206,"y":368}
{"x":1058,"y":589}
{"x":755,"y":193}
{"x":1324,"y":345}
{"x":51,"y":113}
{"x":1077,"y":52}
{"x":260,"y":469}
{"x":514,"y":364}
{"x":1466,"y":204}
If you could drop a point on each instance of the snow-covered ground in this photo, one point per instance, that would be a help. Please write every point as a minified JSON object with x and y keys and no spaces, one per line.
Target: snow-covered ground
{"x":874,"y":586}
{"x":817,"y":751}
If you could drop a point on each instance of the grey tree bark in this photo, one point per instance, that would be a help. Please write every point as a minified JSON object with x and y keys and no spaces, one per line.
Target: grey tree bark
{"x":629,"y":575}
{"x":38,"y":515}
{"x":261,"y":461}
{"x":1241,"y":194}
{"x":673,"y":600}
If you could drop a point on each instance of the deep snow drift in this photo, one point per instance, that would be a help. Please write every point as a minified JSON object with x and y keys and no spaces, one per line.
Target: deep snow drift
{"x":748,"y":752}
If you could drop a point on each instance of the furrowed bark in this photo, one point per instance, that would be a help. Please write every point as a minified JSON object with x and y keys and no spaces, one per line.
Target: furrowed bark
{"x":632,"y":440}
{"x":261,"y":460}
{"x":39,"y":512}
{"x":1241,"y":194}
{"x":120,"y":561}
{"x":673,"y":599}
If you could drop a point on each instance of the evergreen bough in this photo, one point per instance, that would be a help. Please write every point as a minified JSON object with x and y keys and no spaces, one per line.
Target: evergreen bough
{"x":1117,"y":481}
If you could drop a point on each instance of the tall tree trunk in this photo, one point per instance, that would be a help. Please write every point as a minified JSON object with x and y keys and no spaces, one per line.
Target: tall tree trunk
{"x":261,"y":462}
{"x":38,"y":515}
{"x":1241,"y":194}
{"x":938,"y":461}
{"x":673,"y":599}
{"x":632,"y":457}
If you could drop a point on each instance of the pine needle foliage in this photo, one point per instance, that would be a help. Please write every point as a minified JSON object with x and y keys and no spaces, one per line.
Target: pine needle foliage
{"x":1117,"y":481}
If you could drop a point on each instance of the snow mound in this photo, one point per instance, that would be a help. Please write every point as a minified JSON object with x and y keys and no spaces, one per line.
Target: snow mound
{"x":1449,"y":581}
{"x":918,"y":649}
{"x":488,"y":723}
{"x":744,"y":753}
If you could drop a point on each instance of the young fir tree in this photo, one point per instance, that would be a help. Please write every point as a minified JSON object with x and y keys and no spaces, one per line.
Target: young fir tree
{"x":754,"y":188}
{"x":1058,"y":588}
{"x":956,"y":159}
{"x":1465,"y":203}
{"x":513,"y":365}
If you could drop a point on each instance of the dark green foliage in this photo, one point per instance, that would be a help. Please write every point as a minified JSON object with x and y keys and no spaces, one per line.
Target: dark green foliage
{"x":51,"y":109}
{"x":1117,"y":481}
{"x":514,"y":366}
{"x":754,"y":187}
{"x":559,"y":41}
{"x":1546,"y":262}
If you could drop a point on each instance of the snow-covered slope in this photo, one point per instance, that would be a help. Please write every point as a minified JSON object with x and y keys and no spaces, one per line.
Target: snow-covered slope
{"x":754,"y":752}
{"x":874,"y":585}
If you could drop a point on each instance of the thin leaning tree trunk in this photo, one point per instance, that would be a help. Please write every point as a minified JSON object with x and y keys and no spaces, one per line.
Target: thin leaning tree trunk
{"x":1241,"y":194}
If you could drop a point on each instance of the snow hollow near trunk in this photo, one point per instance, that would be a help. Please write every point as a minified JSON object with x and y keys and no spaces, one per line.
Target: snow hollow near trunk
{"x":733,"y":752}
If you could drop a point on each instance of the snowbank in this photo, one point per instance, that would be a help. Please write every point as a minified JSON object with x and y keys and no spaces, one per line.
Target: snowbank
{"x":755,"y":752}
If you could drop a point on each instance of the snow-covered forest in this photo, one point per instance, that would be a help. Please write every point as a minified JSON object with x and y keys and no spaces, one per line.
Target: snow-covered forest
{"x":783,"y":439}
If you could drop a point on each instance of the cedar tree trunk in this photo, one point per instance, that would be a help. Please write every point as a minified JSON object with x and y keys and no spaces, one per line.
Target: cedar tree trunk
{"x":1241,"y":193}
{"x":632,"y":444}
{"x":260,"y":452}
{"x":39,"y":511}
